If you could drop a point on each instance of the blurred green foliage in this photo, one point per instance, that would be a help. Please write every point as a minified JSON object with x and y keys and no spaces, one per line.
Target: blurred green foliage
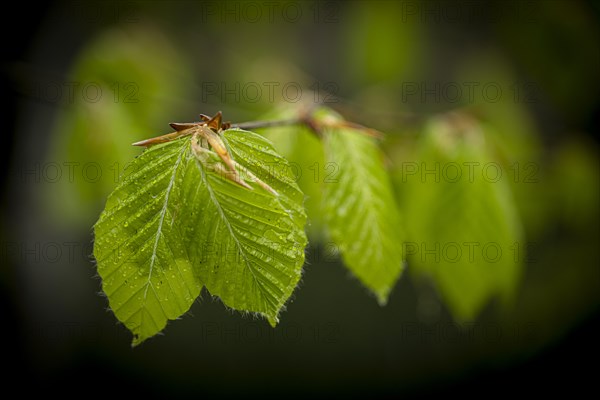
{"x":127,"y":79}
{"x":368,"y":55}
{"x":510,"y":127}
{"x":464,"y":230}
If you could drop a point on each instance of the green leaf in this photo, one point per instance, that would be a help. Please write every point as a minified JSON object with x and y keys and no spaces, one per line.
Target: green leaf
{"x":361,"y":214}
{"x":250,"y":250}
{"x":464,"y":232}
{"x":176,"y":223}
{"x":141,"y":254}
{"x":304,"y":151}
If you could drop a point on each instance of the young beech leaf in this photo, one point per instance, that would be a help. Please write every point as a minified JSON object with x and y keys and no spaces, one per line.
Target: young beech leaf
{"x":463,"y":228}
{"x":141,"y":255}
{"x":247,"y":246}
{"x":176,"y":223}
{"x":361,"y":214}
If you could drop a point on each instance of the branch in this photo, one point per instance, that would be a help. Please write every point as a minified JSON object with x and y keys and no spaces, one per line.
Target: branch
{"x":307,"y":120}
{"x":267,"y":124}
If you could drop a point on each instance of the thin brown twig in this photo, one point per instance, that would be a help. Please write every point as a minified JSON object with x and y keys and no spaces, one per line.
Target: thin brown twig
{"x":307,"y":120}
{"x":267,"y":124}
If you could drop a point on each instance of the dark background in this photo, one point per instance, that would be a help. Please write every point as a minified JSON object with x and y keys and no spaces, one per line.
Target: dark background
{"x":333,"y":339}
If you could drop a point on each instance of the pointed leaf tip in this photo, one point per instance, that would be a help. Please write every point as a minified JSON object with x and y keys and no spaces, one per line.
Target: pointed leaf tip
{"x":361,"y":214}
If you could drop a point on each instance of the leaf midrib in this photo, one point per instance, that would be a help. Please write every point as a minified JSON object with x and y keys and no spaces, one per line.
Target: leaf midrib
{"x":163,"y":212}
{"x":366,"y":181}
{"x":230,"y":229}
